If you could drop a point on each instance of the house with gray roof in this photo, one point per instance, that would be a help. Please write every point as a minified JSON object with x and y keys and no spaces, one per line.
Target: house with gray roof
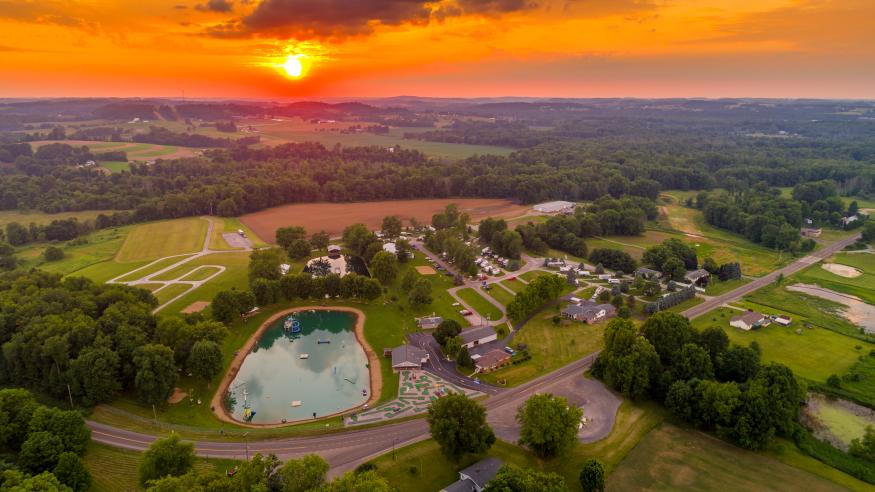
{"x":475,"y":477}
{"x":589,"y":312}
{"x":698,"y":277}
{"x":408,"y":357}
{"x":748,"y":320}
{"x":648,"y":274}
{"x":479,"y":335}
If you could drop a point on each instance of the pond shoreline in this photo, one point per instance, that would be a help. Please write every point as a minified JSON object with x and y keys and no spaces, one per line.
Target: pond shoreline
{"x":376,"y":380}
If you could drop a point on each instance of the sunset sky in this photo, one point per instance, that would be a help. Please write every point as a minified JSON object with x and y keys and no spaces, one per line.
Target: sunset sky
{"x":357,"y":48}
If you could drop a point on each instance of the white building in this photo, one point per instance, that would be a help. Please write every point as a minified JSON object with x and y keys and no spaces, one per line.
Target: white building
{"x":555,"y":207}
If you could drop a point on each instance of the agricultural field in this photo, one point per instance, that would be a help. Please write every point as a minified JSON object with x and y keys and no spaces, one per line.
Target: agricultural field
{"x":672,"y":458}
{"x":298,"y":130}
{"x":551,"y":346}
{"x":159,"y":239}
{"x":115,"y":470}
{"x":334,"y":217}
{"x":479,"y":304}
{"x":41,"y":218}
{"x":135,"y":151}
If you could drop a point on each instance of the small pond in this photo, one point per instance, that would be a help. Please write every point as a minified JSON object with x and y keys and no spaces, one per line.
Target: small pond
{"x":835,"y":420}
{"x":292,"y":375}
{"x":856,"y":310}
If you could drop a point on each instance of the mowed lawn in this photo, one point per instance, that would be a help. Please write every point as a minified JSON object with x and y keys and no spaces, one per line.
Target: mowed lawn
{"x":479,"y":303}
{"x":165,"y":238}
{"x":235,"y":275}
{"x":862,"y":286}
{"x":501,"y":295}
{"x":815,"y":354}
{"x":551,"y":346}
{"x":97,"y":248}
{"x":672,"y":458}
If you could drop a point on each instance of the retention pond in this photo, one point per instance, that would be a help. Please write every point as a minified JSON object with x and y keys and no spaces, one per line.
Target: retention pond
{"x":304,"y":364}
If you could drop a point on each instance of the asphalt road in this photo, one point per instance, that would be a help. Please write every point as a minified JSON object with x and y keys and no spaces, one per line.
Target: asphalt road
{"x":788,"y":270}
{"x":346,"y":450}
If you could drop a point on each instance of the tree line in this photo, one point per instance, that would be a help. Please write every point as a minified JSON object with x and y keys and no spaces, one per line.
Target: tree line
{"x":72,"y":337}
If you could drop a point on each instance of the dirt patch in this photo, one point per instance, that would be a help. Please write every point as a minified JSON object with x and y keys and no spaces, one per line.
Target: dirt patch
{"x":426,"y":270}
{"x":334,"y":217}
{"x":177,"y":396}
{"x":196,"y":307}
{"x":842,"y":270}
{"x":373,"y":365}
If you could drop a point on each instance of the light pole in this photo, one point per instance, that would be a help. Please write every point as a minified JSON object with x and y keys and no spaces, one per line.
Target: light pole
{"x":246,"y":444}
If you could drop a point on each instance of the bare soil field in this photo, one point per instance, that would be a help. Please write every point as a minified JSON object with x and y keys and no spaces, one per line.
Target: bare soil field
{"x":426,"y":270}
{"x":196,"y":307}
{"x":334,"y":217}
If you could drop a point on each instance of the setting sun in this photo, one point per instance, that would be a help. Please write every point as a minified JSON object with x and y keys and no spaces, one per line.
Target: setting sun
{"x":293,"y":66}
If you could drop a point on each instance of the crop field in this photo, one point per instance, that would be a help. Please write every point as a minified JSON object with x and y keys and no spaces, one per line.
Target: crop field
{"x":298,"y":130}
{"x":115,"y":470}
{"x":334,"y":217}
{"x":815,"y":354}
{"x":135,"y":151}
{"x":158,"y":239}
{"x":551,"y":346}
{"x":672,"y":458}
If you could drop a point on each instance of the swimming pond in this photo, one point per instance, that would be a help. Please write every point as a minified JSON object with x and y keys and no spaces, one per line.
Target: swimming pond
{"x":305,"y":363}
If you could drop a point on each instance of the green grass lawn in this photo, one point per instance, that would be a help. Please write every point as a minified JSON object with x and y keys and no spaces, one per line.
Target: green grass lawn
{"x":716,"y":287}
{"x":95,"y":248}
{"x":862,"y":286}
{"x":41,"y":218}
{"x":201,"y":273}
{"x":116,"y":166}
{"x":514,"y":285}
{"x":151,"y":267}
{"x":532,"y":275}
{"x":236,"y":274}
{"x":686,"y":304}
{"x":115,"y":470}
{"x":501,"y":295}
{"x":167,"y":237}
{"x":551,"y":346}
{"x":170,"y":292}
{"x":672,"y":458}
{"x":478,"y":303}
{"x":815,"y":354}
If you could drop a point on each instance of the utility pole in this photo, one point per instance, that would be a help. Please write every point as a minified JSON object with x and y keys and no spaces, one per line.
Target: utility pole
{"x":246,"y":444}
{"x":155,"y":413}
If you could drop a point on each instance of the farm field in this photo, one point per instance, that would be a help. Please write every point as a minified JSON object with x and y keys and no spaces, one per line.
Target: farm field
{"x":158,"y":239}
{"x":42,"y":218}
{"x":298,"y":130}
{"x":550,"y":346}
{"x":480,"y":304}
{"x":814,"y":355}
{"x":115,"y":470}
{"x":135,"y":151}
{"x":672,"y":458}
{"x":334,"y":217}
{"x":85,"y":253}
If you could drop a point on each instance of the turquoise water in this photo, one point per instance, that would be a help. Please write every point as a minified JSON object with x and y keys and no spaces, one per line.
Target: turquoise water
{"x":273,"y":375}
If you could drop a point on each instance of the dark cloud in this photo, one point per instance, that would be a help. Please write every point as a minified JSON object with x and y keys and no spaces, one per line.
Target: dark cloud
{"x":341,"y":18}
{"x":216,"y":6}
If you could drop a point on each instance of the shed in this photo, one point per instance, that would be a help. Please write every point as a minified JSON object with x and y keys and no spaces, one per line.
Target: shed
{"x":473,"y":337}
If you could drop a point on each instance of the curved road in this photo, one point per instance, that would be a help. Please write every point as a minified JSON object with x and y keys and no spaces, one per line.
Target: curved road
{"x":345,"y":450}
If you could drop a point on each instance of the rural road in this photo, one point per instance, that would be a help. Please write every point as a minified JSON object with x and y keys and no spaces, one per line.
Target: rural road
{"x":761,"y":282}
{"x":346,"y":450}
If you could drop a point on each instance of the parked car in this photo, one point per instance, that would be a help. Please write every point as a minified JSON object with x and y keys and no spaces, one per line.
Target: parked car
{"x":465,"y":312}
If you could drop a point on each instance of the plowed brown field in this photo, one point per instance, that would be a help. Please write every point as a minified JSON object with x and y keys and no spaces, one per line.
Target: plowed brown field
{"x":334,"y":217}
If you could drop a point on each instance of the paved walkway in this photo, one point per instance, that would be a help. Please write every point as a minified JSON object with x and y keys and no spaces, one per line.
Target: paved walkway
{"x":185,"y":258}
